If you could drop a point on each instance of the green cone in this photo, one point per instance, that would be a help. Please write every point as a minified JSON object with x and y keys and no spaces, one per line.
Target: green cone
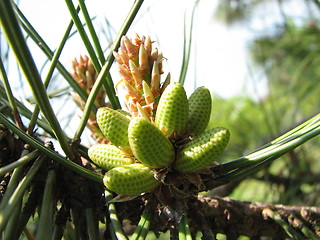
{"x":202,"y":151}
{"x":172,"y":112}
{"x":148,"y":144}
{"x":123,"y":112}
{"x":114,"y":126}
{"x":108,"y":156}
{"x":199,"y":110}
{"x":132,"y":179}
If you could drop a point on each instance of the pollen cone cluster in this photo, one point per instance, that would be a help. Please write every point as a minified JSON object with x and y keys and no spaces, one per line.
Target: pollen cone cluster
{"x":140,"y":67}
{"x":162,"y":132}
{"x":85,"y":76}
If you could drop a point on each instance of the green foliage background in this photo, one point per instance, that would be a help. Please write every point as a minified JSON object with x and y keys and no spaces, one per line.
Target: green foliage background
{"x":287,"y":55}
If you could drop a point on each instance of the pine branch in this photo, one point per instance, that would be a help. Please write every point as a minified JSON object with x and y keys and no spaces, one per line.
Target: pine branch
{"x":213,"y":215}
{"x":232,"y":217}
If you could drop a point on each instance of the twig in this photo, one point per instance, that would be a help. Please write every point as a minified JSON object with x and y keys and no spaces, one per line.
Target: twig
{"x":254,"y":219}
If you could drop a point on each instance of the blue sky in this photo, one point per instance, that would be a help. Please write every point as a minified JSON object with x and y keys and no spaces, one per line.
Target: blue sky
{"x":218,"y":58}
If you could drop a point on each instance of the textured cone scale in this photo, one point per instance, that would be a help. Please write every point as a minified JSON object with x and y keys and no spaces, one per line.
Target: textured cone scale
{"x":108,"y":156}
{"x":148,"y":144}
{"x":172,"y":113}
{"x":114,"y":126}
{"x":132,"y":179}
{"x":199,"y":110}
{"x":202,"y":151}
{"x":125,"y":113}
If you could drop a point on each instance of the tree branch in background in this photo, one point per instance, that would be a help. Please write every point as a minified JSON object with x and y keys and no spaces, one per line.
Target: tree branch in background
{"x":213,"y":215}
{"x":235,"y":218}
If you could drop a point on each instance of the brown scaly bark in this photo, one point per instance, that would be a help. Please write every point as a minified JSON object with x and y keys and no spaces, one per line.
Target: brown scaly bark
{"x":234,"y":218}
{"x":213,"y":215}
